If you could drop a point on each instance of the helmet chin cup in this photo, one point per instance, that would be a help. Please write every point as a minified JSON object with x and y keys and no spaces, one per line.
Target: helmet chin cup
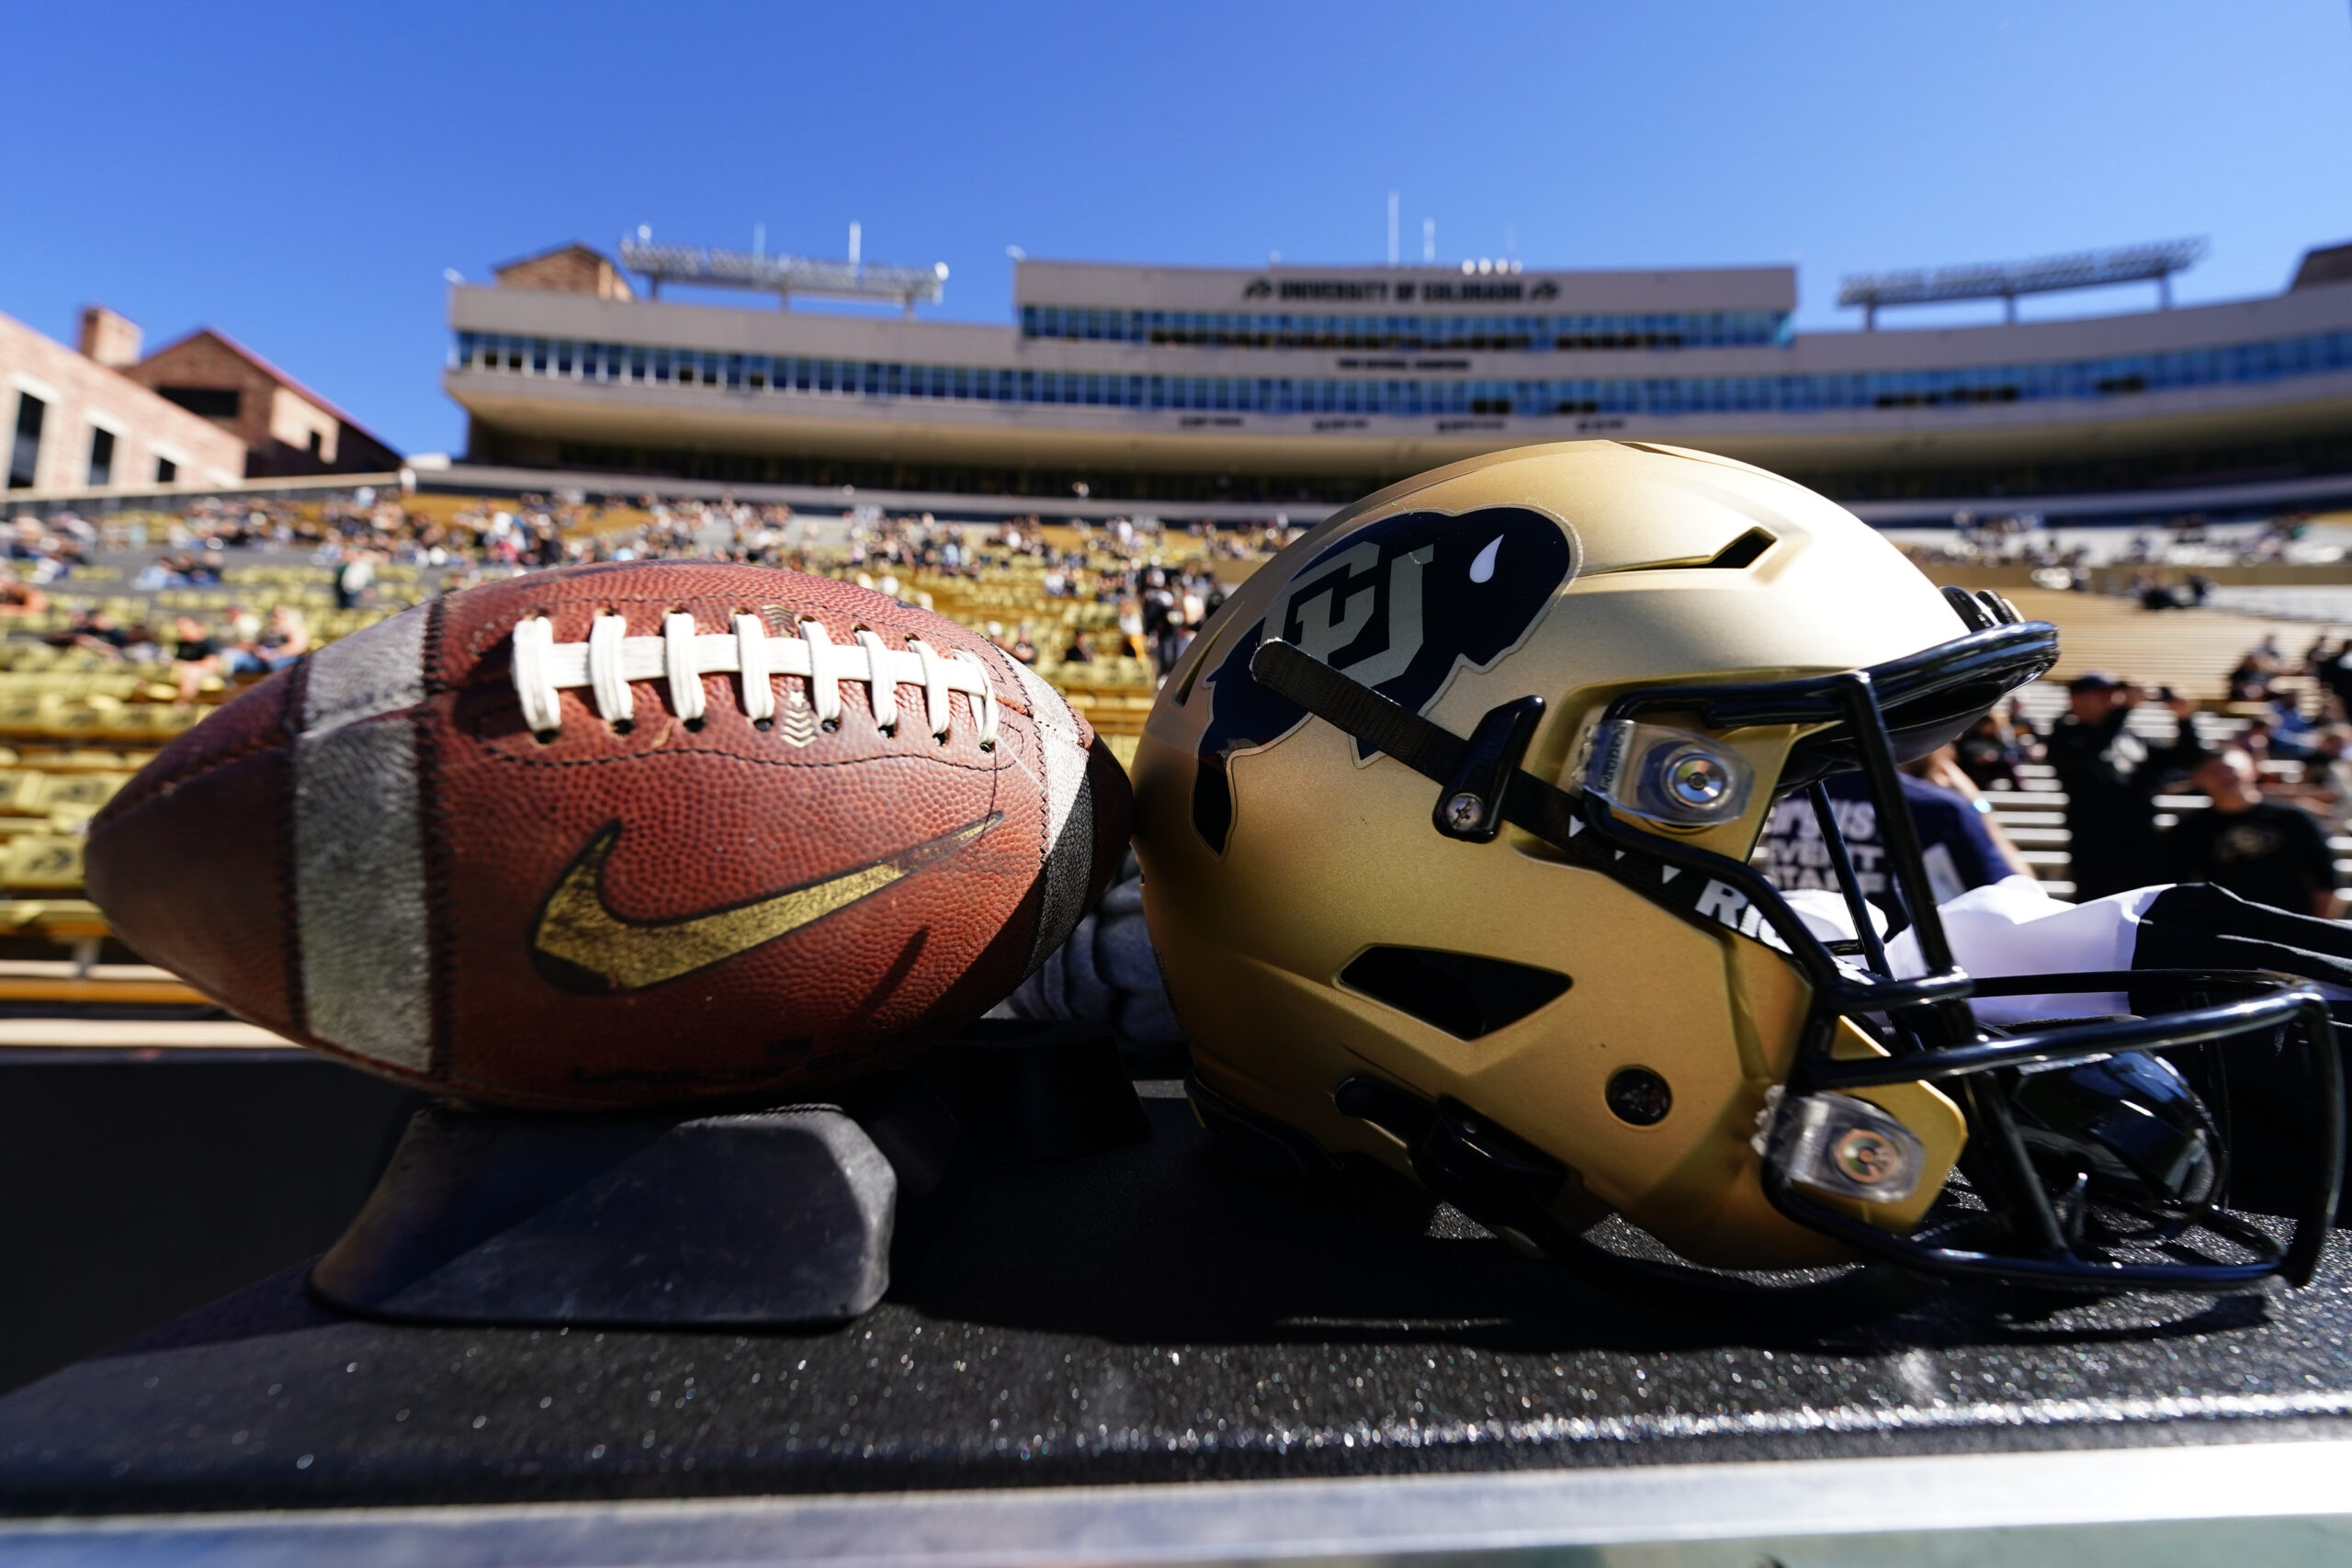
{"x":2128,"y":1129}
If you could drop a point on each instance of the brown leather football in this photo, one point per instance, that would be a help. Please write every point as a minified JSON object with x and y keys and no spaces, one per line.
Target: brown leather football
{"x":618,"y":836}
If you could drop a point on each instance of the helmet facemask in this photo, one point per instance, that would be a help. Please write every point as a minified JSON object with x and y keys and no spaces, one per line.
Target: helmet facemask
{"x":2059,"y":1185}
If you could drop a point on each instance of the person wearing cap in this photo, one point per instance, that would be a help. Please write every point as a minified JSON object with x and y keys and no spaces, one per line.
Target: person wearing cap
{"x":2110,"y":777}
{"x":2265,"y":852}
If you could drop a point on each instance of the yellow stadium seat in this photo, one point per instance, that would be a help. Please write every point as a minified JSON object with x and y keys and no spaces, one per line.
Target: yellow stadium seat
{"x":88,"y":791}
{"x":20,"y":794}
{"x":43,"y":863}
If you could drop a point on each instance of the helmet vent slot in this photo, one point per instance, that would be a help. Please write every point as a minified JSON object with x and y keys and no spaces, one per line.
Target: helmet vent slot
{"x":1741,"y":553}
{"x":1465,"y":995}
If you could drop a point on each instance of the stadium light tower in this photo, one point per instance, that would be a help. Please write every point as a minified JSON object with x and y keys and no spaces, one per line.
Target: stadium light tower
{"x":2006,"y":281}
{"x":785,"y":275}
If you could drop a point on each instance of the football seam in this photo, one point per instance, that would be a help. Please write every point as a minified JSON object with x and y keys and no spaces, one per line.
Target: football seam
{"x":290,"y":918}
{"x":1042,"y":739}
{"x":1008,"y":680}
{"x":990,"y":768}
{"x":433,"y":833}
{"x":129,"y":799}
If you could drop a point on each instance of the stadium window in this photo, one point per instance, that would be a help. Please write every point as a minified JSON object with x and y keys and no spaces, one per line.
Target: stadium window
{"x":166,"y":470}
{"x":24,"y":452}
{"x":317,"y":442}
{"x":101,"y":456}
{"x":212,"y":402}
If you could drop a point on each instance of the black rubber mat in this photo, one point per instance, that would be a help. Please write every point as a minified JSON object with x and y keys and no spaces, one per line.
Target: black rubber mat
{"x":1150,"y":1314}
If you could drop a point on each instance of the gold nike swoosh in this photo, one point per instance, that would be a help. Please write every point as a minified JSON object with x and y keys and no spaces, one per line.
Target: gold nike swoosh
{"x":583,"y":946}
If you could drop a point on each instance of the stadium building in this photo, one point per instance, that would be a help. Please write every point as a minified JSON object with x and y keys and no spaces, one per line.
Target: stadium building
{"x":1169,"y":387}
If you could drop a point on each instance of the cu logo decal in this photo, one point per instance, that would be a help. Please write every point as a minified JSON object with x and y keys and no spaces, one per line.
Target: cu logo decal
{"x":1398,"y":605}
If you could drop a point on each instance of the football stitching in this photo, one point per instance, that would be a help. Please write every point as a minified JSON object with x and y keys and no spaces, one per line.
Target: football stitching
{"x":486,"y":638}
{"x":491,"y":633}
{"x":928,"y":757}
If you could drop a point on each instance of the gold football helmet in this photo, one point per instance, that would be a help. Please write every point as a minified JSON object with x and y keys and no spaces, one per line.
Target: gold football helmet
{"x":1445,"y":824}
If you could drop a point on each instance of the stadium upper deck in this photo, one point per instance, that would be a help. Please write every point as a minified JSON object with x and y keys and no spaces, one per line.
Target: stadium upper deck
{"x":1178,"y":384}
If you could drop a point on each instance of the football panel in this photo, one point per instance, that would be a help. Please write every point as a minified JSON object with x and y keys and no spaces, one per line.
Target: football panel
{"x":620,"y":931}
{"x":197,"y":878}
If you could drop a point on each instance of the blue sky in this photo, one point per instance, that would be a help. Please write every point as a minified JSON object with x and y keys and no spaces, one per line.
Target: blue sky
{"x":299,"y":176}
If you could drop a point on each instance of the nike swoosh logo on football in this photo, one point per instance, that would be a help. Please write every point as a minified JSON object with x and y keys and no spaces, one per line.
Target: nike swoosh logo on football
{"x":582,"y":944}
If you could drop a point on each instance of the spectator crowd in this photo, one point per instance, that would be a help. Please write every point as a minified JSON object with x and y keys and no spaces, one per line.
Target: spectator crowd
{"x":2275,"y":769}
{"x":1149,"y":586}
{"x":2277,"y":781}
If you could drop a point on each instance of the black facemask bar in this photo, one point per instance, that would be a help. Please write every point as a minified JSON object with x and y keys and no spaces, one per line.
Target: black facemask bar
{"x":1871,"y":719}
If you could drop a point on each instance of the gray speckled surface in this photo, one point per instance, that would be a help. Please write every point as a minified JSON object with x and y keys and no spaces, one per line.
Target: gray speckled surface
{"x":1144,"y":1316}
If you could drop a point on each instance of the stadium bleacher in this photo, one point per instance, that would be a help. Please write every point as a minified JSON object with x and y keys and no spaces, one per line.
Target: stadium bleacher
{"x":75,"y":723}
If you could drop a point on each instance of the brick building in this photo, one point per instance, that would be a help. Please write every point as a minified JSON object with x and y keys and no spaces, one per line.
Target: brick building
{"x":74,"y":421}
{"x":575,"y":268}
{"x":287,"y":429}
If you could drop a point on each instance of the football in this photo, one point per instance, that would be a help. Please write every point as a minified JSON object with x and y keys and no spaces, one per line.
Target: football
{"x":620,"y":836}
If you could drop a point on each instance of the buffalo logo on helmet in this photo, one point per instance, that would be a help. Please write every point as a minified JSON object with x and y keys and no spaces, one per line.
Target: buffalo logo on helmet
{"x":1398,"y":605}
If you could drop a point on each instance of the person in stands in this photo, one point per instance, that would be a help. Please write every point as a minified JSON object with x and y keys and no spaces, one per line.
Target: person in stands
{"x":2110,"y":777}
{"x":1989,"y":753}
{"x":2264,"y":851}
{"x":19,"y":597}
{"x":196,"y":654}
{"x":2327,"y":775}
{"x":1962,"y":847}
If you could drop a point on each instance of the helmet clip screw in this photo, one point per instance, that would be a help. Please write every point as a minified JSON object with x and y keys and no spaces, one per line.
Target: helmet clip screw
{"x":1470,"y":808}
{"x":1869,"y":1157}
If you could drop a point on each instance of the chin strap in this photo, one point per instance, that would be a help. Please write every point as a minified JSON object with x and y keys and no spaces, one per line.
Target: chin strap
{"x":1499,"y":791}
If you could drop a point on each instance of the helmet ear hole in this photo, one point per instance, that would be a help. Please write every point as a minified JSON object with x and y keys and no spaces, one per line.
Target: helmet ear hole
{"x":1638,"y":1096}
{"x":1466,"y":995}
